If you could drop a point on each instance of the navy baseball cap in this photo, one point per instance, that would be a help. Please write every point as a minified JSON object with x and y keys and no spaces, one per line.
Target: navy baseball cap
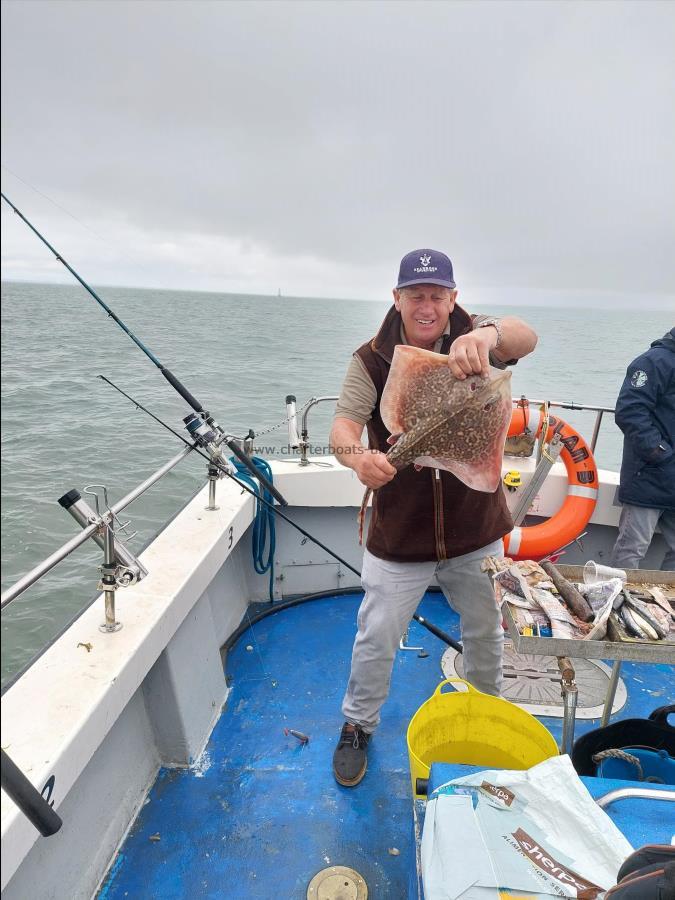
{"x":425,"y":267}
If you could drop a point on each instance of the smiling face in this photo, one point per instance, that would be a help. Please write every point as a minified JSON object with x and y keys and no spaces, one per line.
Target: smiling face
{"x":425,"y":310}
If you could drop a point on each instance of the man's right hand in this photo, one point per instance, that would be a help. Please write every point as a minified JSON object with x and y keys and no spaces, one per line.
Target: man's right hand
{"x":374,"y":469}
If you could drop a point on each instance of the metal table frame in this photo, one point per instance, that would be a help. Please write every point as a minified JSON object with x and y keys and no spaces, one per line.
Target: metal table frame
{"x":567,"y":650}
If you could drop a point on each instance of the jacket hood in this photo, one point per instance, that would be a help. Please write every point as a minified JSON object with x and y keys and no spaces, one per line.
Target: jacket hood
{"x":667,"y":341}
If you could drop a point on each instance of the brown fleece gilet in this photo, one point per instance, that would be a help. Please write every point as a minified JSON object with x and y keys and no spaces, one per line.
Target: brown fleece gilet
{"x":419,"y":516}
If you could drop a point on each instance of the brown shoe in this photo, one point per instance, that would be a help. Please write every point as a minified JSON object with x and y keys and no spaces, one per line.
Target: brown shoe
{"x":350,"y":759}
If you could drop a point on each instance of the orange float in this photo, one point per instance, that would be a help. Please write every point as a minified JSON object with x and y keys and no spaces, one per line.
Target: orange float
{"x":538,"y":541}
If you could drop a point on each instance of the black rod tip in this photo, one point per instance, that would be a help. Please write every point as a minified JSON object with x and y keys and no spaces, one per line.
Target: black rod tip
{"x":69,"y":498}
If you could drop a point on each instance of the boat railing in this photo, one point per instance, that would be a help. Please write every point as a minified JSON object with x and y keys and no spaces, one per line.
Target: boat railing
{"x":120,"y":568}
{"x":302,"y":444}
{"x":101,"y":525}
{"x":566,"y":404}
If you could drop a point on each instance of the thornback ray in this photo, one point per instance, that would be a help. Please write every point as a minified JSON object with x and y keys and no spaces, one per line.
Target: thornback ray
{"x":444,"y":422}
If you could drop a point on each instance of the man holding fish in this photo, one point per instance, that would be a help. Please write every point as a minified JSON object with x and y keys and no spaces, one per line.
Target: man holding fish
{"x":444,"y":515}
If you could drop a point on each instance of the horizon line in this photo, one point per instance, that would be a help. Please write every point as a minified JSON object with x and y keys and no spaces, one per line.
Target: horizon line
{"x":659,"y":299}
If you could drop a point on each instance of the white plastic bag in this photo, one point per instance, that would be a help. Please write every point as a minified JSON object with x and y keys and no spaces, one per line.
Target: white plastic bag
{"x":538,"y":833}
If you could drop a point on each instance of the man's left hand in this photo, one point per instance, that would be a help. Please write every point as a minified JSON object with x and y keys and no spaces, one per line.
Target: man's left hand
{"x":470,"y":353}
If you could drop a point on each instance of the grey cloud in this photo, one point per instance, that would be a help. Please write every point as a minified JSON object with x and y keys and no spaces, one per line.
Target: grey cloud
{"x":534,"y":142}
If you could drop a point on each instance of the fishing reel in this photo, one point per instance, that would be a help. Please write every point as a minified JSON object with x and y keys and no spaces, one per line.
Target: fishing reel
{"x":207,"y":434}
{"x":202,"y":432}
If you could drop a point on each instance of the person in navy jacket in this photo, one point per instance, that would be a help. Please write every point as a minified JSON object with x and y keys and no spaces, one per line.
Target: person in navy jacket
{"x":645,"y":412}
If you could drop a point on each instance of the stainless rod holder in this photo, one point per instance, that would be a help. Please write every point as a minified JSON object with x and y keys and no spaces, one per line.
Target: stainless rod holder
{"x":108,"y":580}
{"x":132,"y":569}
{"x":213,"y":481}
{"x":47,"y":564}
{"x":303,"y":447}
{"x":292,"y":416}
{"x":110,"y":625}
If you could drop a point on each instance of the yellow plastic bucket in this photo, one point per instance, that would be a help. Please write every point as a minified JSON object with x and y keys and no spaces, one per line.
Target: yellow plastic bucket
{"x":475,"y":729}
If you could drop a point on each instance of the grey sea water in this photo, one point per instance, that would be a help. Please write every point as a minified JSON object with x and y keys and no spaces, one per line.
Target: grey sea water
{"x":239,"y":355}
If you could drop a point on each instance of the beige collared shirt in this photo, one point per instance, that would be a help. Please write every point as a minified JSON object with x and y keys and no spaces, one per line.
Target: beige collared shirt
{"x":358,"y":396}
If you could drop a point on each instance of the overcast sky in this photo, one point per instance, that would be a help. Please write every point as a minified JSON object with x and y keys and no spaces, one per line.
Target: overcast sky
{"x":307,"y":146}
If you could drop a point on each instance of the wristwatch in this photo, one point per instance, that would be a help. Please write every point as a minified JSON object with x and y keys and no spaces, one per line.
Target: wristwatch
{"x":497,"y":324}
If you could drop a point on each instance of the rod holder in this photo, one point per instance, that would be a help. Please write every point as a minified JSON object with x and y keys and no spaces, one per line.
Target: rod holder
{"x":130,"y":569}
{"x":108,"y":583}
{"x":292,"y":416}
{"x":303,"y":446}
{"x":120,"y":567}
{"x":214,"y":474}
{"x":248,"y":442}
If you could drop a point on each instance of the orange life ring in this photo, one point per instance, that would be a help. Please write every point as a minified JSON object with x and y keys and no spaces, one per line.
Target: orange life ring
{"x":537,"y":541}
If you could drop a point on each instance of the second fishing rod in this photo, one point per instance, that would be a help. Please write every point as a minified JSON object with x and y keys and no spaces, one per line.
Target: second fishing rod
{"x":225,"y":469}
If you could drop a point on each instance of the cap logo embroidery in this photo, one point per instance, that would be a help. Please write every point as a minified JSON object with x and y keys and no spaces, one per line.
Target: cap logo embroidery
{"x":639,"y":378}
{"x":425,"y":259}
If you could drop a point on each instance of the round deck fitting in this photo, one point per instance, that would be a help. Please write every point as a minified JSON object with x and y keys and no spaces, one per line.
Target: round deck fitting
{"x":533,"y":683}
{"x":337,"y":883}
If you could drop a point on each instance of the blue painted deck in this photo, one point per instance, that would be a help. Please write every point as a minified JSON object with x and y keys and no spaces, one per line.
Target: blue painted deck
{"x":260,"y":815}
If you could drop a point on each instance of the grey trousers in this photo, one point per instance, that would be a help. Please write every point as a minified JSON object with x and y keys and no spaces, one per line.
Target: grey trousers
{"x":393,"y":592}
{"x":636,"y":529}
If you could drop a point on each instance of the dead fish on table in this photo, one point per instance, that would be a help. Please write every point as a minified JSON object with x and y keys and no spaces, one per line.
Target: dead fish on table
{"x":642,"y":619}
{"x":444,"y":422}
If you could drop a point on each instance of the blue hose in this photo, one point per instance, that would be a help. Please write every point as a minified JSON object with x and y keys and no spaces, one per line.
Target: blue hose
{"x":263,"y":524}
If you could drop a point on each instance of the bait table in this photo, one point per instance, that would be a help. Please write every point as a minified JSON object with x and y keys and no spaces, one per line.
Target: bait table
{"x":567,"y":649}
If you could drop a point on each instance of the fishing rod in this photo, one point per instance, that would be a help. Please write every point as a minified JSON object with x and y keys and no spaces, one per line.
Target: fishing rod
{"x":225,"y":469}
{"x":208,"y":432}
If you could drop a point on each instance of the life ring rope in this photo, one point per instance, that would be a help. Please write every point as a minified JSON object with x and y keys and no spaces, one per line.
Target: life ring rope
{"x":537,"y":541}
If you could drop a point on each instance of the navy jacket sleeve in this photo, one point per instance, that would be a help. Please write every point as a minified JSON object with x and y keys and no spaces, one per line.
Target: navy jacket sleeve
{"x":643,"y":387}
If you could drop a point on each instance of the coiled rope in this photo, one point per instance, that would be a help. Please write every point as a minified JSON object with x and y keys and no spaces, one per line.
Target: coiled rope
{"x":631,"y":759}
{"x":264,"y":534}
